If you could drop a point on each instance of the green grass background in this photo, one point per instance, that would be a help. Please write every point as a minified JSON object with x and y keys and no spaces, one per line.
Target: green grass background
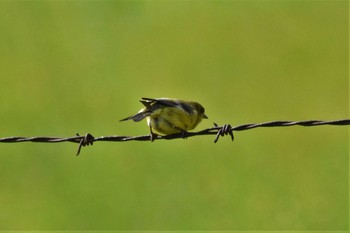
{"x":80,"y":66}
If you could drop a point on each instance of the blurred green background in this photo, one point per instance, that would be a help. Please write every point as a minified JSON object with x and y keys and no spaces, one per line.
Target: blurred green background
{"x":80,"y":66}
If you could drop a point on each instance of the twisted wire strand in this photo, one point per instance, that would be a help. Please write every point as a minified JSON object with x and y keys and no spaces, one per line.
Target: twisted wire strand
{"x":226,"y":129}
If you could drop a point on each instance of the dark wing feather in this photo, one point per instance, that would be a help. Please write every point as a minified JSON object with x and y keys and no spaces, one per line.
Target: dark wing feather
{"x":166,"y":102}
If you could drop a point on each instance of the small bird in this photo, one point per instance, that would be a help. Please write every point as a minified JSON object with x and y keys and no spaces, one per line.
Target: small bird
{"x":168,"y":116}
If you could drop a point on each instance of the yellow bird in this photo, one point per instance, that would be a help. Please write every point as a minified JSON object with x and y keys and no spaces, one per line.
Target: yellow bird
{"x":168,"y":116}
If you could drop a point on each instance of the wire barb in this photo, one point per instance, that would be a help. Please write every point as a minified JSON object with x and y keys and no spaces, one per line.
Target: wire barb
{"x":85,"y":141}
{"x":226,"y":129}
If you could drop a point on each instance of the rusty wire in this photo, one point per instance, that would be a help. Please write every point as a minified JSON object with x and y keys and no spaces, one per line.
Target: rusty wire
{"x":226,"y":129}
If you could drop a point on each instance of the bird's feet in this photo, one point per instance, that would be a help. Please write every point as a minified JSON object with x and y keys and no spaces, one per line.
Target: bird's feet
{"x":183,"y":134}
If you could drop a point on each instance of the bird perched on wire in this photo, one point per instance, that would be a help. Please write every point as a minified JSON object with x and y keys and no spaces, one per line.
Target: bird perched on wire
{"x":168,"y":116}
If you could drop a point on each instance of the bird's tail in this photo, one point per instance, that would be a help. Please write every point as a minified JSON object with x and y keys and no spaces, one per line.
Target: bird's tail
{"x":137,"y":117}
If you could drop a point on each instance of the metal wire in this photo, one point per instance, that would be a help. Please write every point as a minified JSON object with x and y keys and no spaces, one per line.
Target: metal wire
{"x":226,"y":129}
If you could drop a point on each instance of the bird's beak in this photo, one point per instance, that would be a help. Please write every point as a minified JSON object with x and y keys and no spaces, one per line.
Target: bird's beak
{"x":205,"y":116}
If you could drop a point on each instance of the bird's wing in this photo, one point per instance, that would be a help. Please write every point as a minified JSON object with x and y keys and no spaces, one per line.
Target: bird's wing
{"x":168,"y":102}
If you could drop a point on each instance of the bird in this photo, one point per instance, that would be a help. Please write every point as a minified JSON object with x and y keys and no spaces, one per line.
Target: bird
{"x":169,"y":116}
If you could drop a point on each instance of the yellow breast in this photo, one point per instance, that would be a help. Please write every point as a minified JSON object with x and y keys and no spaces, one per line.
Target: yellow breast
{"x":171,"y":120}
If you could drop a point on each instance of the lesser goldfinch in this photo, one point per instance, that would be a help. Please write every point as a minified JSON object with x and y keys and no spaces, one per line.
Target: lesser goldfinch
{"x":168,"y":116}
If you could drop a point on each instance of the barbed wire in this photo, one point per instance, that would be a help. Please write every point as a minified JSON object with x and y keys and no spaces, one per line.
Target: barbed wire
{"x":223,"y":130}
